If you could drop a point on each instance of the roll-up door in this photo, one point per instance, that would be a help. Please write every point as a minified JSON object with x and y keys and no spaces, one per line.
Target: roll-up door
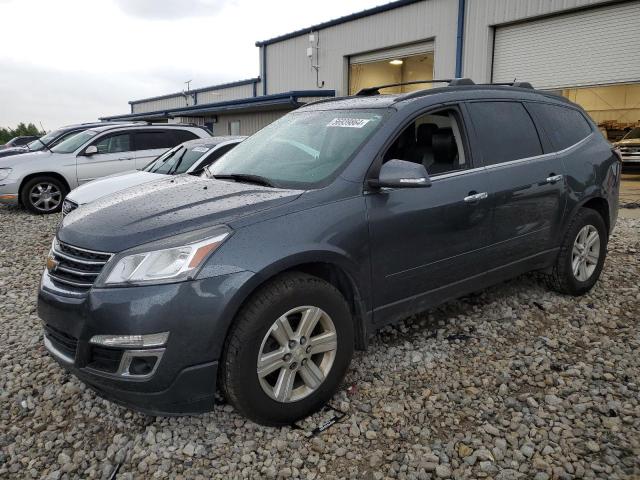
{"x":598,"y":46}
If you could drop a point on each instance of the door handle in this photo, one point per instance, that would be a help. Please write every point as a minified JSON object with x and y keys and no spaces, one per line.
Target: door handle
{"x":554,"y":178}
{"x":123,"y":158}
{"x":475,"y":197}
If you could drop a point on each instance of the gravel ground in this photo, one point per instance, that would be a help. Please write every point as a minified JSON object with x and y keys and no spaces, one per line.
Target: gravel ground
{"x":515,"y":382}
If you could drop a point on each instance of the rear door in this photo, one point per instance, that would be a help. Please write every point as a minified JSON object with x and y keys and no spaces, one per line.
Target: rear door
{"x":425,"y":241}
{"x":151,"y":143}
{"x":527,"y":183}
{"x":114,"y":155}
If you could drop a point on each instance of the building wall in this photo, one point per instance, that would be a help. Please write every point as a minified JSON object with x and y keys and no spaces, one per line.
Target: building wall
{"x":289,"y":68}
{"x":482,"y":15}
{"x":250,"y":123}
{"x":176,"y":101}
{"x":224,"y":94}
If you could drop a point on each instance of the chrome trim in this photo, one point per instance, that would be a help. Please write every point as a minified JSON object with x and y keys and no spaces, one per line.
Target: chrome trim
{"x":152,"y":340}
{"x":69,"y":282}
{"x":77,"y":272}
{"x":456,"y":173}
{"x":57,"y":353}
{"x":477,"y":197}
{"x":554,"y":179}
{"x":87,"y":250}
{"x":79,"y":260}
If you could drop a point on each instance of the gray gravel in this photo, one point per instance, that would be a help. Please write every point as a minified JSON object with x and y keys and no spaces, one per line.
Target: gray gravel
{"x":515,"y":382}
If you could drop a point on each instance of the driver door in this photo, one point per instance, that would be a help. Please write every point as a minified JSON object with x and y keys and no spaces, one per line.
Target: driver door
{"x":115,"y":155}
{"x":425,"y":241}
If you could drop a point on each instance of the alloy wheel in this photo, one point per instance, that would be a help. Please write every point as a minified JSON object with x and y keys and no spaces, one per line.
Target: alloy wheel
{"x":297,"y":354}
{"x":585,"y":253}
{"x":45,"y":197}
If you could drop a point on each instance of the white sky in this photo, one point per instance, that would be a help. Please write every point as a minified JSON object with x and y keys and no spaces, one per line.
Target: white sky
{"x":68,"y":61}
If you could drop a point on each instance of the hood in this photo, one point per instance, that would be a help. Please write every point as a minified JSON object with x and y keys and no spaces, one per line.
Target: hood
{"x":106,"y":186}
{"x":6,"y":152}
{"x":629,"y":141}
{"x":24,"y":157}
{"x":165,"y":208}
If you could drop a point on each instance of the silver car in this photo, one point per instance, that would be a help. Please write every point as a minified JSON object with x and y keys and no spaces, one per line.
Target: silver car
{"x":41,"y":180}
{"x":191,"y":157}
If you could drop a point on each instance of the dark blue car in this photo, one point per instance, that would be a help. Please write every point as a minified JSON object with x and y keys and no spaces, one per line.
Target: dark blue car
{"x":261,"y":277}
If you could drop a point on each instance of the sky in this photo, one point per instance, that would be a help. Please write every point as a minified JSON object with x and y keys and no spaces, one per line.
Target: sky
{"x":70,"y":61}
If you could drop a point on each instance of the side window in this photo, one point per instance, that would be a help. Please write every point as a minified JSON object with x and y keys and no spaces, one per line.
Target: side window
{"x":434,"y":140}
{"x":154,"y":140}
{"x":182,"y":136}
{"x":505,"y":131}
{"x":120,"y":142}
{"x":216,"y":155}
{"x":564,"y":126}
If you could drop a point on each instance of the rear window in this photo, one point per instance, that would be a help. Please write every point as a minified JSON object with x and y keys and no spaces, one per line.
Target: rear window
{"x":184,"y":136}
{"x":505,"y":131}
{"x":564,"y":126}
{"x":155,"y":140}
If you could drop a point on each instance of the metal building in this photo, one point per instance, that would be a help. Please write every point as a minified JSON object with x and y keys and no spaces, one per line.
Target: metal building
{"x":586,"y":50}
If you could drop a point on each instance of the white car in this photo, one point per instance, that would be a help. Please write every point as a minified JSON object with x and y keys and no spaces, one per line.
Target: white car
{"x":40,"y":180}
{"x":191,"y":158}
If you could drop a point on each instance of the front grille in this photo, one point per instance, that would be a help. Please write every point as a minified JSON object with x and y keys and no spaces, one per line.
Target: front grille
{"x":76,"y":267}
{"x":68,"y":206}
{"x":64,"y":343}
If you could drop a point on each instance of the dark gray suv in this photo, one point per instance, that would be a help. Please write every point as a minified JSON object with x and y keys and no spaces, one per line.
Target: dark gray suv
{"x":262,"y":276}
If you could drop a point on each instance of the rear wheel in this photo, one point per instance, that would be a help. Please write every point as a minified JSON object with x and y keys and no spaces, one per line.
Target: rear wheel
{"x":582,"y":254}
{"x":43,"y":195}
{"x":288,"y":350}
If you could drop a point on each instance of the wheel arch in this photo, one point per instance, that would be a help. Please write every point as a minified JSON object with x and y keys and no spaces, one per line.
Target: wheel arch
{"x":31,"y":176}
{"x":327,"y":266}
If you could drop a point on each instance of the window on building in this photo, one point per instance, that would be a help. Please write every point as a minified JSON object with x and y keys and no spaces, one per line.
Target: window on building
{"x":392,"y":70}
{"x":234,"y":127}
{"x":505,"y":131}
{"x":564,"y":126}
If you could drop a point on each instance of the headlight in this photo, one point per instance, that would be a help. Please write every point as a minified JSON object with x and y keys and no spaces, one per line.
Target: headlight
{"x":4,"y":173}
{"x":166,"y":265}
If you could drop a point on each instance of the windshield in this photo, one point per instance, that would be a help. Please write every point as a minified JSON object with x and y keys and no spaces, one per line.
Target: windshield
{"x":302,"y":149}
{"x":177,"y":160}
{"x":633,"y":134}
{"x":74,"y":142}
{"x":37,"y":145}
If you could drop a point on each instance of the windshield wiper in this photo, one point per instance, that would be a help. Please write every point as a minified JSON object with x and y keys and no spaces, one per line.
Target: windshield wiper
{"x":44,"y":145}
{"x":245,"y":178}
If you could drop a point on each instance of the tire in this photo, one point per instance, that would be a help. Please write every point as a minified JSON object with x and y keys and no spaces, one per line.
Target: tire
{"x":31,"y":195}
{"x":254,"y":333}
{"x":562,"y":278}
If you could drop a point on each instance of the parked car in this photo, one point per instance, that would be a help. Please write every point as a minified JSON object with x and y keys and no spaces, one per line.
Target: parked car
{"x":49,"y":140}
{"x":630,"y":148}
{"x":19,"y":141}
{"x":339,"y":218}
{"x":40,"y":181}
{"x":190,"y":157}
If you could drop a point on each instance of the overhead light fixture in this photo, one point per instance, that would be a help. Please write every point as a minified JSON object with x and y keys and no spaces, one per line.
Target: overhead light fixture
{"x":396,"y":62}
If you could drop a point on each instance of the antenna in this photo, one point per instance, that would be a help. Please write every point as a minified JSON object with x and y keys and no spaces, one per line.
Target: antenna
{"x":188,"y":84}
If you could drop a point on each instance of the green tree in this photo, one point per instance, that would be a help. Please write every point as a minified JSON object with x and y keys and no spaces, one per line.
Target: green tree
{"x":22,"y":129}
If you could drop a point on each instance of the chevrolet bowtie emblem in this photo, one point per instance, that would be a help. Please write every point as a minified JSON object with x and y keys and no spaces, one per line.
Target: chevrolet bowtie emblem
{"x":52,"y":264}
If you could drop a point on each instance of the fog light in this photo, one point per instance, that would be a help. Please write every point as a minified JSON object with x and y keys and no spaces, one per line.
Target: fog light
{"x":131,"y":341}
{"x":142,"y":365}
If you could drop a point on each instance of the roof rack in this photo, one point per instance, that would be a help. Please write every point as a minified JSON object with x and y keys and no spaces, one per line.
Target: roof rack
{"x":371,"y":91}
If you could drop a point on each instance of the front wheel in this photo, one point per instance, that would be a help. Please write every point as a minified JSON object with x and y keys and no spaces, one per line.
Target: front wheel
{"x":43,"y":195}
{"x":582,"y":254}
{"x":288,"y":350}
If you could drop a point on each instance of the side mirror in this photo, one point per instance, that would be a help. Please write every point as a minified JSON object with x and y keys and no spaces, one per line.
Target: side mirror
{"x":401,"y":174}
{"x":91,"y":150}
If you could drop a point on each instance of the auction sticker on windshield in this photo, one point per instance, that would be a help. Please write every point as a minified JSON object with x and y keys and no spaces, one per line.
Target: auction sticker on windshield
{"x":201,"y":149}
{"x":348,"y":122}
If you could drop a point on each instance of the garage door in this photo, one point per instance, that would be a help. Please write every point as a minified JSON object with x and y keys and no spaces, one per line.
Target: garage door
{"x":591,"y":47}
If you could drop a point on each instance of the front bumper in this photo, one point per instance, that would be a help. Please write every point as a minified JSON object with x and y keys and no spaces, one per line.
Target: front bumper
{"x":9,"y":192}
{"x":183,"y":381}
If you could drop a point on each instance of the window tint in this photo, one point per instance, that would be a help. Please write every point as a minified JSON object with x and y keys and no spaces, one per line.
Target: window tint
{"x":114,"y":143}
{"x":155,"y":140}
{"x":216,"y":155}
{"x":184,"y":136}
{"x":434,"y":140}
{"x":505,"y":131}
{"x":564,"y":126}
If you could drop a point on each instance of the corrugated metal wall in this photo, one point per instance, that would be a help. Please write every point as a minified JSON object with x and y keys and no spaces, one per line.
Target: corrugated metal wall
{"x":177,"y":101}
{"x":593,"y":47}
{"x":289,"y":68}
{"x":224,"y":94}
{"x":481,"y":15}
{"x":250,"y":123}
